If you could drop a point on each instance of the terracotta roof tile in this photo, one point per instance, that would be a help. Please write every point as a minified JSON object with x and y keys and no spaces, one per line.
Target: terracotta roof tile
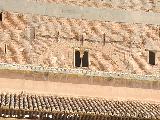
{"x":82,"y":106}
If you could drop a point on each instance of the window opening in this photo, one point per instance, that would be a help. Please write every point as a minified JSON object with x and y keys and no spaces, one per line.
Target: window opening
{"x":151,"y":58}
{"x":81,"y":61}
{"x":0,"y":16}
{"x":85,"y":59}
{"x":5,"y":48}
{"x":77,"y":59}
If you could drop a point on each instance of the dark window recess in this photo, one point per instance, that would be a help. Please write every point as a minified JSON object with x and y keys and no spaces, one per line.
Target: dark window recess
{"x":151,"y":58}
{"x":159,"y":31}
{"x":77,"y":59}
{"x":85,"y":59}
{"x":5,"y":49}
{"x":1,"y":16}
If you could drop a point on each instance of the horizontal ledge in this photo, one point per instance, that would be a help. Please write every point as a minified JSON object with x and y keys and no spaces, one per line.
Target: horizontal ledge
{"x":74,"y":71}
{"x":77,"y":12}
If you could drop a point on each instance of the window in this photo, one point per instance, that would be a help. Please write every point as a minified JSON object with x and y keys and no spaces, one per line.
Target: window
{"x":151,"y":58}
{"x":85,"y":59}
{"x":5,"y":48}
{"x":1,"y":16}
{"x":81,"y":61}
{"x":77,"y":59}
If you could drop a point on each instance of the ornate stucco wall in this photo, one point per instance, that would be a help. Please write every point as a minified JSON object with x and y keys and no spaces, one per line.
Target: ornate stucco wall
{"x":133,"y":5}
{"x":126,"y":47}
{"x":136,"y":5}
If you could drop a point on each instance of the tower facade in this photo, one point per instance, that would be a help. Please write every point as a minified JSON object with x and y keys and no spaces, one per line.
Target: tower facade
{"x":80,"y":60}
{"x":118,"y":36}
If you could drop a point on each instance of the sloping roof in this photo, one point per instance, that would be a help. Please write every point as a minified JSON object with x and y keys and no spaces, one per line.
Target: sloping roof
{"x":69,"y":106}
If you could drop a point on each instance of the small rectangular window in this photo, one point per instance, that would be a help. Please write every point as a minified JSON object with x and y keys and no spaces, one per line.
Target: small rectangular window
{"x":77,"y":59}
{"x":85,"y":59}
{"x":5,"y":48}
{"x":1,"y":16}
{"x":151,"y":58}
{"x":81,"y":61}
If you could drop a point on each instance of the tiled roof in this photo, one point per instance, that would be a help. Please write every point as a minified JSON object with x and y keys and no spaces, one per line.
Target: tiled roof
{"x":69,"y":106}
